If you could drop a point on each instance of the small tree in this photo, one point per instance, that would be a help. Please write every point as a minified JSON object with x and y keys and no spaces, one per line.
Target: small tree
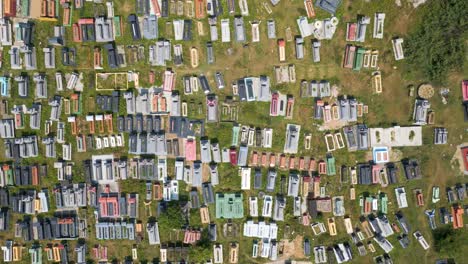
{"x":172,"y":217}
{"x":202,"y":250}
{"x":437,"y":44}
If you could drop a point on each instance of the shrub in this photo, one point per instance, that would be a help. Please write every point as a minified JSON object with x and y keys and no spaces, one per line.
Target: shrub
{"x":172,"y":218}
{"x":436,"y":45}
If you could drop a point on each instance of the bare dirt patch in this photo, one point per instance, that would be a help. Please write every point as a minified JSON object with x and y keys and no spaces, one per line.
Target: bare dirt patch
{"x":292,"y":249}
{"x":457,"y":161}
{"x":127,"y":7}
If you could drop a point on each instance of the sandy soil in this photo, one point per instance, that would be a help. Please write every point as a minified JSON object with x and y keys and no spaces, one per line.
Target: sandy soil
{"x":293,"y":248}
{"x":457,"y":160}
{"x":333,"y":125}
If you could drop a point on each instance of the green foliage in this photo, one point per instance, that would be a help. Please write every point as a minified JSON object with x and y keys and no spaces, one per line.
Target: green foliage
{"x":202,"y":251}
{"x":448,"y":241}
{"x":172,"y":218}
{"x":436,"y":46}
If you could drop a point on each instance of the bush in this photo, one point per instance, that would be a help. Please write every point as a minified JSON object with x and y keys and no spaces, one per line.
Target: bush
{"x":172,"y":218}
{"x":202,"y":250}
{"x":436,"y":46}
{"x":448,"y":241}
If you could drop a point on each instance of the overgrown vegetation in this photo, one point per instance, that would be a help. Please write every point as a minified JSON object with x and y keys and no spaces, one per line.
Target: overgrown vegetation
{"x":172,"y":217}
{"x":448,"y":241}
{"x":437,"y":45}
{"x":202,"y":250}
